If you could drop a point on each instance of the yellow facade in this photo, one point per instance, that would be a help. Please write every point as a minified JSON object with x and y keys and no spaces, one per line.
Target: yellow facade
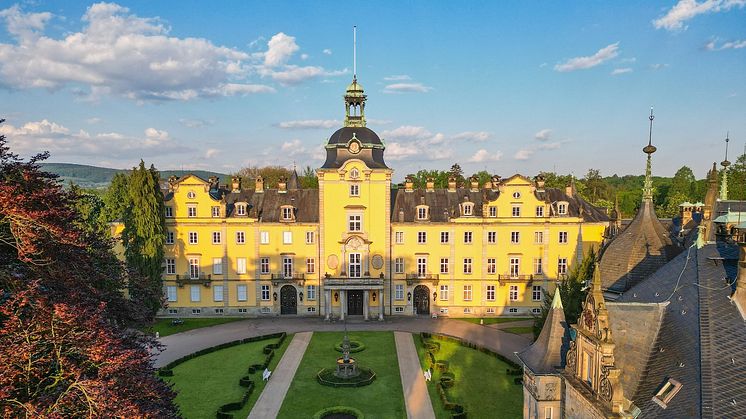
{"x":356,"y":246}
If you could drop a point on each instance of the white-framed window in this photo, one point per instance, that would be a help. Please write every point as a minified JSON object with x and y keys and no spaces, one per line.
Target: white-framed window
{"x":310,"y":237}
{"x":196,"y":311}
{"x":468,"y":236}
{"x":491,"y":266}
{"x":355,"y":222}
{"x":490,"y":310}
{"x":168,"y":212}
{"x":421,"y":267}
{"x":217,"y":293}
{"x":444,"y":263}
{"x":468,"y":208}
{"x":493,"y":211}
{"x":264,"y":237}
{"x":514,"y":293}
{"x":216,"y":239}
{"x":444,"y":292}
{"x":264,"y":266}
{"x":562,"y":208}
{"x":536,"y":310}
{"x":490,"y":293}
{"x":310,"y":265}
{"x":538,"y":267}
{"x":193,"y":237}
{"x":515,"y":237}
{"x":399,"y":237}
{"x":173,"y":311}
{"x":562,"y":266}
{"x":399,"y":265}
{"x":243,"y":310}
{"x":219,"y":311}
{"x":287,"y":266}
{"x":215,"y":212}
{"x":194,"y":268}
{"x":467,"y":293}
{"x":242,"y":292}
{"x":311,"y":309}
{"x":399,"y":291}
{"x":538,"y":237}
{"x":169,"y":237}
{"x":171,"y":293}
{"x":241,"y":209}
{"x":467,"y":266}
{"x":422,"y":237}
{"x":194,"y":293}
{"x":311,"y":292}
{"x":240,"y":237}
{"x":512,"y":310}
{"x":217,"y":266}
{"x":516,"y":195}
{"x":266,"y":310}
{"x":492,"y":237}
{"x":422,"y":213}
{"x":516,"y":211}
{"x":192,"y":211}
{"x":445,"y":237}
{"x":444,"y":310}
{"x":355,"y":265}
{"x":287,"y":237}
{"x":563,"y":237}
{"x":265,"y":292}
{"x":170,"y":266}
{"x":240,"y":266}
{"x":354,"y":189}
{"x":587,"y":369}
{"x":515,"y":267}
{"x":540,"y":211}
{"x":536,"y":293}
{"x":399,"y":309}
{"x":287,"y":213}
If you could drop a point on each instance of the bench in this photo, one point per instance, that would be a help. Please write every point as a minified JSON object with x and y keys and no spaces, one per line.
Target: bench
{"x":266,"y":374}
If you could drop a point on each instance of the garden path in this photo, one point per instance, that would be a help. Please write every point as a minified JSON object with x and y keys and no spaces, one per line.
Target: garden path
{"x":269,"y":402}
{"x":416,"y":398}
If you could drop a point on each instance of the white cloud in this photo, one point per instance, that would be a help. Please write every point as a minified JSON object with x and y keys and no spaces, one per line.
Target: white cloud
{"x":658,"y":66}
{"x":310,"y":124}
{"x":581,"y":63}
{"x":406,"y":88}
{"x":712,"y":45}
{"x":155,"y":134}
{"x":523,"y":154}
{"x":399,"y":151}
{"x":378,"y":121}
{"x":327,"y":51}
{"x":527,"y":152}
{"x":618,"y":71}
{"x":483,"y":155}
{"x":686,"y":10}
{"x":211,"y":152}
{"x":279,"y":49}
{"x":92,"y":121}
{"x":194,"y":123}
{"x":397,"y":77}
{"x":304,"y":57}
{"x":543,"y":135}
{"x":407,"y":131}
{"x":475,"y":136}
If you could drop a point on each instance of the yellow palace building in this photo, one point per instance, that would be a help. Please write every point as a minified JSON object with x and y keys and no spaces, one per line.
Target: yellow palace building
{"x":358,"y":247}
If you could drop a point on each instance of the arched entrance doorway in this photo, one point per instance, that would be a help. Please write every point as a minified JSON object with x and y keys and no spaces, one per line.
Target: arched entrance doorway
{"x":421,"y":300}
{"x":288,"y":300}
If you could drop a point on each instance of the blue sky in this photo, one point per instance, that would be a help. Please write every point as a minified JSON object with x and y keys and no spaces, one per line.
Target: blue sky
{"x":509,"y":87}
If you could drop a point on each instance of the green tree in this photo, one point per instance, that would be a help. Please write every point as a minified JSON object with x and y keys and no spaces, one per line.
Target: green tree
{"x":457,"y":173}
{"x":572,"y":292}
{"x":116,"y":199}
{"x":683,"y":183}
{"x":483,"y":176}
{"x":308,"y":180}
{"x":91,"y":209}
{"x":144,"y":235}
{"x":595,"y":186}
{"x":737,"y":179}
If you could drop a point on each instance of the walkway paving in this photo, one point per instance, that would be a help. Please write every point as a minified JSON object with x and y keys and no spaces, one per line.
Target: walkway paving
{"x":269,"y":402}
{"x":185,"y":343}
{"x":182,"y":344}
{"x":413,"y":383}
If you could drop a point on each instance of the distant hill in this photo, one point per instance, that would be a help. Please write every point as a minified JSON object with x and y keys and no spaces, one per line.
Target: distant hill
{"x":100,"y":177}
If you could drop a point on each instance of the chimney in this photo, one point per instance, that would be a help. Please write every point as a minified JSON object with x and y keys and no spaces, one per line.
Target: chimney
{"x":236,"y":184}
{"x":408,"y":184}
{"x":259,"y":188}
{"x":686,"y":213}
{"x":488,"y":185}
{"x":495,"y":181}
{"x":570,"y":189}
{"x":430,"y":185}
{"x":401,"y":215}
{"x":172,"y":183}
{"x":282,"y":185}
{"x":214,"y":183}
{"x":539,"y":179}
{"x":474,"y":183}
{"x":451,"y":184}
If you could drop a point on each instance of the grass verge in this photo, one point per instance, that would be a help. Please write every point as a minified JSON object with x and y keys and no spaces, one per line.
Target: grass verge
{"x":165,"y":328}
{"x":519,"y":330}
{"x":381,"y":399}
{"x":207,"y":382}
{"x":492,"y":320}
{"x":482,"y":385}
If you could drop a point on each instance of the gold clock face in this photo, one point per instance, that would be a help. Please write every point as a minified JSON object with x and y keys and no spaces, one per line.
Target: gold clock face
{"x":354,"y":147}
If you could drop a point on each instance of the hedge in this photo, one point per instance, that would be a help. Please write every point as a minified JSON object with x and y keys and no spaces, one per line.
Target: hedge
{"x":326,"y":377}
{"x":355,"y":346}
{"x":338,"y":409}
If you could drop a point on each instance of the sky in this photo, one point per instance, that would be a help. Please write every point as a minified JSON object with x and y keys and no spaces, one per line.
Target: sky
{"x":507,"y":87}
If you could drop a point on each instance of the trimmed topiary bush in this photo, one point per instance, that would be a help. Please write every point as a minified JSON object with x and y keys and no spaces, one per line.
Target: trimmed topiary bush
{"x":326,"y":377}
{"x":344,"y":410}
{"x":355,"y":346}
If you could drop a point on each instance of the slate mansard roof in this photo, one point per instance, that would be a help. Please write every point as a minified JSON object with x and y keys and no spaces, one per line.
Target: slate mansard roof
{"x":371,"y":151}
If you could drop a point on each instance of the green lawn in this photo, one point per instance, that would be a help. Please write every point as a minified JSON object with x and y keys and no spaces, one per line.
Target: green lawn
{"x":381,"y":399}
{"x":519,"y":330}
{"x":209,"y":381}
{"x":492,"y":320}
{"x":165,"y":328}
{"x":482,"y":386}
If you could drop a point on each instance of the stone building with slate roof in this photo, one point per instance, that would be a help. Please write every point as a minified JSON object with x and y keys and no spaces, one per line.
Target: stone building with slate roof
{"x":357,"y":246}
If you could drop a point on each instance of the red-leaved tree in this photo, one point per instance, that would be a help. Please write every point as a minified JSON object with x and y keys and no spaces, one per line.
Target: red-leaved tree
{"x":68,"y":340}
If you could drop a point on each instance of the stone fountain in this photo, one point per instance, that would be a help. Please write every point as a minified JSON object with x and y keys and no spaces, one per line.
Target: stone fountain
{"x":346,"y":365}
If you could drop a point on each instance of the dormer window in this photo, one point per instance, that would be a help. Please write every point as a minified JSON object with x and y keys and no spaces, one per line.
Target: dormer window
{"x":287,"y":213}
{"x":667,"y":392}
{"x":467,"y":209}
{"x":562,"y":208}
{"x":354,"y":173}
{"x":516,"y":195}
{"x":191,"y":195}
{"x":423,"y":212}
{"x":241,"y":209}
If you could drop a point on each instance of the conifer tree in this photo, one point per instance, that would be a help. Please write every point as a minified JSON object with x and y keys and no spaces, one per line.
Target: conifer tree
{"x":116,"y":199}
{"x":143,"y":236}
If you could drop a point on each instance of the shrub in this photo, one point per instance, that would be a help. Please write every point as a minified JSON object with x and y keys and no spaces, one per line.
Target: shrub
{"x":321,"y":414}
{"x":355,"y":346}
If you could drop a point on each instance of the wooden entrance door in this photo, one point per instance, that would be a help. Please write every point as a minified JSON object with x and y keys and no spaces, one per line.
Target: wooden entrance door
{"x":355,"y":303}
{"x":422,"y":300}
{"x":288,"y":300}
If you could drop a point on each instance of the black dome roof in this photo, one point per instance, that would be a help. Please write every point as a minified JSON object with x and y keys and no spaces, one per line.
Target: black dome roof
{"x":363,"y":134}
